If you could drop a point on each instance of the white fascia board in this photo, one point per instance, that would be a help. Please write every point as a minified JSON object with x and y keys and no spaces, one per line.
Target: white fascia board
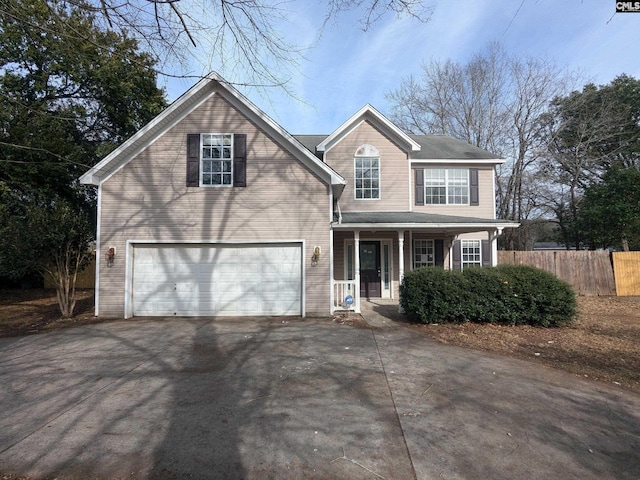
{"x":360,"y":114}
{"x":479,"y":161}
{"x":416,"y":226}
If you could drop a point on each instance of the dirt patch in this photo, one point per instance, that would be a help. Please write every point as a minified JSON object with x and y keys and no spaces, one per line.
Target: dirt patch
{"x":30,"y":311}
{"x":603,"y":343}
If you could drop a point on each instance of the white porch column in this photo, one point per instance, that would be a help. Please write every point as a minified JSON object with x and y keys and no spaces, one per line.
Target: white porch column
{"x":493,"y":238}
{"x":400,"y":261}
{"x":400,"y":255}
{"x":356,"y":267}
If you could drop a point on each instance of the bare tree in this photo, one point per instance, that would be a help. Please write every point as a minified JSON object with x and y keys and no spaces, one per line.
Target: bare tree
{"x":494,"y":102}
{"x":581,"y":140}
{"x":464,"y":101}
{"x":230,"y":35}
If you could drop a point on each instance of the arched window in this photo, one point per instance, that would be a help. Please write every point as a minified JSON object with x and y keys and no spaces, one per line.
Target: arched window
{"x":367,"y":173}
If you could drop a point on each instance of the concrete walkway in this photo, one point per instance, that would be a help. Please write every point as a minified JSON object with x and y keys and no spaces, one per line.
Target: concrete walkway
{"x":314,"y":398}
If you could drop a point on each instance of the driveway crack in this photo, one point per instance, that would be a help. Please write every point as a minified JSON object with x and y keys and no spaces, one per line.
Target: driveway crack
{"x":395,"y":407}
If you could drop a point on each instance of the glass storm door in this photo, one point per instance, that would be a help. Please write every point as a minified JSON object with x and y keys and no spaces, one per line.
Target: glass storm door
{"x":370,"y":269}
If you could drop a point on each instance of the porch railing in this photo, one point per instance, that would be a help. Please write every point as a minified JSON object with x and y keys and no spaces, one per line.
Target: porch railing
{"x":345,"y":295}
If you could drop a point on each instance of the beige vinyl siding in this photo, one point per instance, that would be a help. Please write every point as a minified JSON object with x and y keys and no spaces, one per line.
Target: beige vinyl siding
{"x":486,"y":198}
{"x":148,"y":200}
{"x":393,"y":170}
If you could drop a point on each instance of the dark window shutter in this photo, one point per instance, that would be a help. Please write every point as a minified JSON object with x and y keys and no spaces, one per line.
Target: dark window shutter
{"x":193,"y":160}
{"x":438,"y":246}
{"x":240,"y":160}
{"x":474,"y":198}
{"x":419,"y":175}
{"x":457,"y":255}
{"x":486,"y":253}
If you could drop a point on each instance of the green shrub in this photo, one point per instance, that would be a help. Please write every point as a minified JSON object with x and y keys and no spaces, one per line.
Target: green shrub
{"x":508,"y":294}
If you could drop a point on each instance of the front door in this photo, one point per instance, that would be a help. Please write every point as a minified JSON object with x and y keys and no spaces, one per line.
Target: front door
{"x":370,"y":269}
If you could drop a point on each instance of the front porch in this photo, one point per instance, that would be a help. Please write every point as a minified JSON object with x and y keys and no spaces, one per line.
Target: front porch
{"x":371,"y":251}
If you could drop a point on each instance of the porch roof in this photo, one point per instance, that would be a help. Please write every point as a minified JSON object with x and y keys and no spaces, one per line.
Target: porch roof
{"x":417,"y":220}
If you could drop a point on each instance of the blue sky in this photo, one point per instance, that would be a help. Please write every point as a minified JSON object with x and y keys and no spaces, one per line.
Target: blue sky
{"x":349,"y":68}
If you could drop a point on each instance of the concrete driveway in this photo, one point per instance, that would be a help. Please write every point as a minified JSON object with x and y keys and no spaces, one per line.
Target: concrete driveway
{"x":264,"y":398}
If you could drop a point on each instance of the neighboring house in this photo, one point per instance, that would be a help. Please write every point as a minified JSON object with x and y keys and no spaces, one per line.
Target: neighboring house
{"x":214,"y":209}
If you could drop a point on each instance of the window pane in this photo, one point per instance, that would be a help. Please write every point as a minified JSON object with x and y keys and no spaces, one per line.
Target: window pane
{"x":216,"y":159}
{"x":446,"y":186}
{"x":349,"y":262}
{"x":471,"y":256}
{"x":366,"y":177}
{"x":423,"y":253}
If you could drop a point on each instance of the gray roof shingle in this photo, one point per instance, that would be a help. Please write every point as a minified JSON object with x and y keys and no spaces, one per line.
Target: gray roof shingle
{"x":433,"y":147}
{"x":404,"y":218}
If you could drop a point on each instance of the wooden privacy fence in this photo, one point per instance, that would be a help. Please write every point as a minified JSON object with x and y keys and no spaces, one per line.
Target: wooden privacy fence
{"x":588,"y":272}
{"x":626,"y":266}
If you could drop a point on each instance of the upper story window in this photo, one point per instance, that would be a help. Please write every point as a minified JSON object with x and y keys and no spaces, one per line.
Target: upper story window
{"x":217,"y":159}
{"x":367,"y":173}
{"x":446,"y":186}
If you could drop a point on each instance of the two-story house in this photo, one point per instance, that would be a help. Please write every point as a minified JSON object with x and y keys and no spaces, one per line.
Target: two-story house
{"x":214,"y":209}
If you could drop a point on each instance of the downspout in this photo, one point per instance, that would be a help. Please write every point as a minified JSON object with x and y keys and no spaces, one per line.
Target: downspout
{"x":331,"y":266}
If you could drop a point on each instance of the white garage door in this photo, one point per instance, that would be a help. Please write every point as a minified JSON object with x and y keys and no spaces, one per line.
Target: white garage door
{"x":202,"y":280}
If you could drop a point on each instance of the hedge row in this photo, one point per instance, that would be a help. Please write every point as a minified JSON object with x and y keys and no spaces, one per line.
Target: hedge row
{"x":507,"y":294}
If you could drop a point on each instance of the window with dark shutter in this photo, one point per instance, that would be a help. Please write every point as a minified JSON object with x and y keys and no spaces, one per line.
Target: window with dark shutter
{"x":193,"y":160}
{"x":474,"y":198}
{"x":240,"y":160}
{"x":419,"y":177}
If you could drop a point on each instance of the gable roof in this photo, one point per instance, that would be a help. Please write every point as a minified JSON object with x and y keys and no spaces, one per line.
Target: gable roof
{"x":376,"y":118}
{"x":211,"y":85}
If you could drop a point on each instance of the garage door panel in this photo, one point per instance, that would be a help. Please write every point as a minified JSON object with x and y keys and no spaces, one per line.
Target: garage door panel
{"x":217,"y":280}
